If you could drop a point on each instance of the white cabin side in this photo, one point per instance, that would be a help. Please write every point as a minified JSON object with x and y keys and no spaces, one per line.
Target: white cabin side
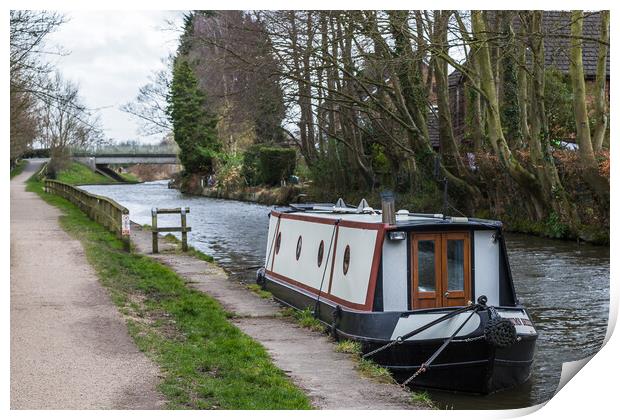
{"x":324,"y":255}
{"x":352,"y":286}
{"x":395,"y":276}
{"x":303,"y":267}
{"x":486,"y":265}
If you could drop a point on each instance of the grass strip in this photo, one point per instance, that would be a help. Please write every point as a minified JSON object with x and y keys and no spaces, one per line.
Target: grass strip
{"x":190,"y":249}
{"x":207,"y":363}
{"x":18,"y":168}
{"x":80,"y":174}
{"x":370,"y":369}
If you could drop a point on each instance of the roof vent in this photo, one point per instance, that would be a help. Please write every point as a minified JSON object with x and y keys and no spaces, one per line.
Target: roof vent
{"x":402,"y":212}
{"x":459,"y":219}
{"x":340,"y":206}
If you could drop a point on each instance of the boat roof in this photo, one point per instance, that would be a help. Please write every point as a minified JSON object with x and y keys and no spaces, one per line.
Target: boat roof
{"x":404,"y":218}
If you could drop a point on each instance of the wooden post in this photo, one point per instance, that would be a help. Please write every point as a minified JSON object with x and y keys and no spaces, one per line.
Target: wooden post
{"x":125,"y":231}
{"x":154,"y":227}
{"x":183,"y":230}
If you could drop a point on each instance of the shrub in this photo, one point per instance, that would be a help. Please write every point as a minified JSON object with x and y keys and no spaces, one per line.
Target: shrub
{"x":229,"y":176}
{"x":275,"y":164}
{"x":250,"y":169}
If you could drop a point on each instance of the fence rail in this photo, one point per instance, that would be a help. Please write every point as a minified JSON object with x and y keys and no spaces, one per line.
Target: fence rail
{"x":183,"y":228}
{"x":102,"y":210}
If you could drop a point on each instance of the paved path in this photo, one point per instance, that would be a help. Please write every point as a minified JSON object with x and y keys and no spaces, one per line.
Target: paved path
{"x":309,"y":358}
{"x":69,"y":345}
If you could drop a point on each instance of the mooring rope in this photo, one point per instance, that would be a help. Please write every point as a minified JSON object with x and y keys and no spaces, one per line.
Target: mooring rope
{"x":426,"y":365}
{"x":404,"y":337}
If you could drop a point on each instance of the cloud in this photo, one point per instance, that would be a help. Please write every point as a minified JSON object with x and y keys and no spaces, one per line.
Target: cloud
{"x":112,"y":54}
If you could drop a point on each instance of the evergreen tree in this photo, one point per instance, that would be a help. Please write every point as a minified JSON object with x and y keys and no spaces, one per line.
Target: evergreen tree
{"x":193,"y":127}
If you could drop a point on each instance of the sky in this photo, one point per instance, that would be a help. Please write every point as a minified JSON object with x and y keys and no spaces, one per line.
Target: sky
{"x":110,"y":56}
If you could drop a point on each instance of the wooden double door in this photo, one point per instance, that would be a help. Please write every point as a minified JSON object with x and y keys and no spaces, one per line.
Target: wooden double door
{"x":441,"y":269}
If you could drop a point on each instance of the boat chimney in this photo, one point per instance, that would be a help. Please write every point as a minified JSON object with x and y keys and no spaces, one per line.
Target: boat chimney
{"x":388,"y":215}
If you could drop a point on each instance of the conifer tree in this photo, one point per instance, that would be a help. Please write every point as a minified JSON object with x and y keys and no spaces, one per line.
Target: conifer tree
{"x":193,"y":127}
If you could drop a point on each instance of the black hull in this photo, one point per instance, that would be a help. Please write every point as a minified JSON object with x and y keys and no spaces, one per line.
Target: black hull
{"x":465,"y":366}
{"x":469,"y":363}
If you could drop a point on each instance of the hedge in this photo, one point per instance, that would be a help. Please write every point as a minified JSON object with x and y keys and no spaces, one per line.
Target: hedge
{"x":276,"y":164}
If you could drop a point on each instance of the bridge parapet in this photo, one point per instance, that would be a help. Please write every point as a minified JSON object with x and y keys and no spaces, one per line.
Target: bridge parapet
{"x":92,"y":160}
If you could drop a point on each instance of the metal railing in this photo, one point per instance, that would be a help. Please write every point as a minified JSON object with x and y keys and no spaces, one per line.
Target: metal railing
{"x":102,"y":210}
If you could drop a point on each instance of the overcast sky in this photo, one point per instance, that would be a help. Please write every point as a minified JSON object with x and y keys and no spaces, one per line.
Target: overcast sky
{"x":112,"y":54}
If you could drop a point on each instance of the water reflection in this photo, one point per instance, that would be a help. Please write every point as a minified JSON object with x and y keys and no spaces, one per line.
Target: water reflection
{"x":564,"y":286}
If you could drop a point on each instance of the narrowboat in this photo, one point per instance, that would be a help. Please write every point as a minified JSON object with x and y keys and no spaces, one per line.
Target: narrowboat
{"x":428,"y":296}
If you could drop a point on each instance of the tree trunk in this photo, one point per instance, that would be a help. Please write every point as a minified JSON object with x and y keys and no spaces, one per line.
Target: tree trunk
{"x":449,"y":148}
{"x":598,"y":183}
{"x":526,"y":180}
{"x":541,"y":156}
{"x":601,"y":108}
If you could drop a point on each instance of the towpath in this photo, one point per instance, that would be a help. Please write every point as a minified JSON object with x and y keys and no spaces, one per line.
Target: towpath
{"x":309,"y":358}
{"x":69,"y":345}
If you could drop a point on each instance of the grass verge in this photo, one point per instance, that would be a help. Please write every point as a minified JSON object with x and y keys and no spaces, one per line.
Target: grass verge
{"x":370,"y":369}
{"x":206,"y":361}
{"x":79,"y":174}
{"x":366,"y":368}
{"x":18,"y":168}
{"x":422,"y":398}
{"x":190,"y":249}
{"x":305,"y":319}
{"x":263,"y":294}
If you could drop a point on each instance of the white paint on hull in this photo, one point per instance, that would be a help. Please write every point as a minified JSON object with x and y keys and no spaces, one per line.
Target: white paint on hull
{"x":442,"y":330}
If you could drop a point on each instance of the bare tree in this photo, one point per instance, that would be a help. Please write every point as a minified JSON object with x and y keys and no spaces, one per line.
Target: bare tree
{"x":150,"y":104}
{"x":28,"y":72}
{"x":65,"y":122}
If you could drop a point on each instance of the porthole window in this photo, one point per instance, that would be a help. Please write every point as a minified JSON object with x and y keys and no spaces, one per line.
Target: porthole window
{"x":278,"y":240}
{"x":298,"y":252}
{"x":319,"y":257}
{"x":346,"y":260}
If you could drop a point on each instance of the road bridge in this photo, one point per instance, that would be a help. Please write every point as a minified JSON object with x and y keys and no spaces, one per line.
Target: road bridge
{"x":95,"y":159}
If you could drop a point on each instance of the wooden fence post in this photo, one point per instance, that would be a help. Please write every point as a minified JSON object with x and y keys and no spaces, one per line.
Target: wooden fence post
{"x":126,"y":231}
{"x":154,"y":228}
{"x":183,"y":231}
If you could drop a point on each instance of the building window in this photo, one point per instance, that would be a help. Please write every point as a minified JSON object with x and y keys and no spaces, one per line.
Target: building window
{"x":319,"y":258}
{"x":346,"y":260}
{"x":298,"y":252}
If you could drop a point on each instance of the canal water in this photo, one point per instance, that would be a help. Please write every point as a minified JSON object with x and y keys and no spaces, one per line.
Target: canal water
{"x":564,"y":286}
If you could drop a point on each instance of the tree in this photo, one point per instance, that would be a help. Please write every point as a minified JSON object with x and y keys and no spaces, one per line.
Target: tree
{"x":194,"y":129}
{"x":150,"y":104}
{"x":231,"y":58}
{"x":65,"y":122}
{"x":583,"y":135}
{"x":28,"y":73}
